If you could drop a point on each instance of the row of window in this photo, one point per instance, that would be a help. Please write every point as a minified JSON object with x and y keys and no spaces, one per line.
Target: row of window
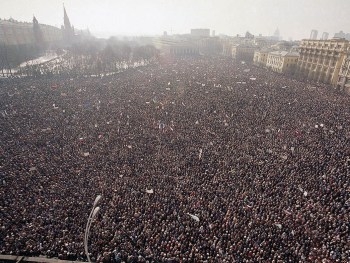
{"x":309,"y":66}
{"x":331,"y":45}
{"x":292,"y":59}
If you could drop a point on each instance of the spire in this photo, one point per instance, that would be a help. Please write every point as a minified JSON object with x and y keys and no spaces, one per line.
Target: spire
{"x":66,"y":19}
{"x":35,"y":21}
{"x":68,"y":30}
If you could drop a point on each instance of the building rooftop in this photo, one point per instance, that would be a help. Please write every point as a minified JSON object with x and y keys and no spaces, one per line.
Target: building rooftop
{"x":334,"y":39}
{"x":285,"y":53}
{"x":12,"y":22}
{"x":15,"y":23}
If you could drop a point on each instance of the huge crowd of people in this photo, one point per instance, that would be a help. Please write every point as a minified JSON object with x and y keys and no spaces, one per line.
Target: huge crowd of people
{"x":197,"y":160}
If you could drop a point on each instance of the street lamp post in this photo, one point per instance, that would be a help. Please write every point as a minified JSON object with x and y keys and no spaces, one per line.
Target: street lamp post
{"x":92,"y":215}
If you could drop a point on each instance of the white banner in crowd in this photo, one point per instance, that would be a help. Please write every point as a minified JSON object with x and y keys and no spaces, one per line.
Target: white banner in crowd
{"x":194,"y":217}
{"x":278,"y":225}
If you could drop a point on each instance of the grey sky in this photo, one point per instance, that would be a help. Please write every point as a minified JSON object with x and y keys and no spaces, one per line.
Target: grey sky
{"x":294,"y":19}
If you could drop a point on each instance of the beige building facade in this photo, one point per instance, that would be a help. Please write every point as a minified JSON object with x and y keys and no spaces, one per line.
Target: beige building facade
{"x":174,"y":47}
{"x":243,"y":52}
{"x":282,"y":61}
{"x":227,"y":47}
{"x":14,"y":33}
{"x":260,"y":57}
{"x":344,"y":74}
{"x":321,"y":60}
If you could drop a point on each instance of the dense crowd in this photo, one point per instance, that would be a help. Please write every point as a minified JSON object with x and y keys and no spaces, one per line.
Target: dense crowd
{"x":245,"y":166}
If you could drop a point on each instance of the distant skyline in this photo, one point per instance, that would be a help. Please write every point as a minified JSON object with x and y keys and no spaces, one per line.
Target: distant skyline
{"x":294,"y":18}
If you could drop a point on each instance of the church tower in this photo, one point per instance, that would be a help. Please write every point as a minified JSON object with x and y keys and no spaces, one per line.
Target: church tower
{"x":67,"y":24}
{"x":68,"y":30}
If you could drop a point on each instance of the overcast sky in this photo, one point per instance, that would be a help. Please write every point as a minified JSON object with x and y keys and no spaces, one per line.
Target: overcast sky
{"x":294,"y":18}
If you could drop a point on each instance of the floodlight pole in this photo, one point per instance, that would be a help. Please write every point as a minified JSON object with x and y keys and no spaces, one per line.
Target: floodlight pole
{"x":92,"y":215}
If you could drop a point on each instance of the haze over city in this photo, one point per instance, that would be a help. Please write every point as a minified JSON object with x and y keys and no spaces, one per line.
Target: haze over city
{"x":174,"y":131}
{"x":104,"y":18}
